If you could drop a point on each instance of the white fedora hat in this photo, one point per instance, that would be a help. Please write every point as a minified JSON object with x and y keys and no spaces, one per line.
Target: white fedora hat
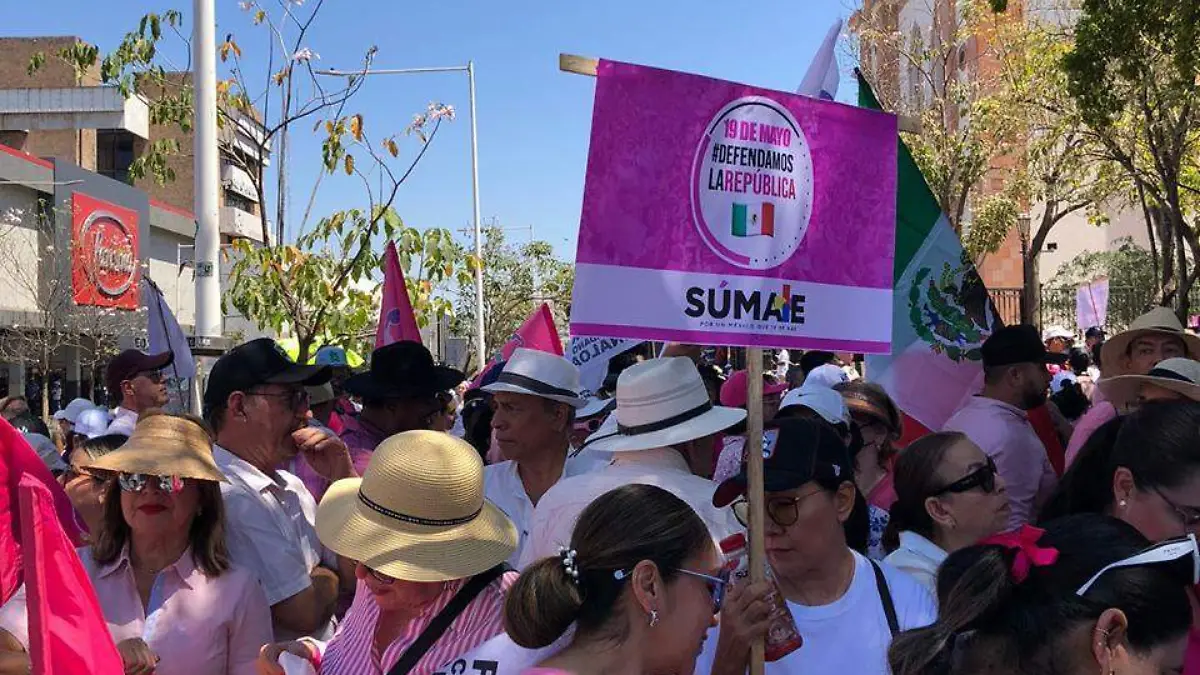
{"x":535,"y":373}
{"x":661,"y":402}
{"x":1158,"y":321}
{"x":418,"y":513}
{"x":1178,"y":375}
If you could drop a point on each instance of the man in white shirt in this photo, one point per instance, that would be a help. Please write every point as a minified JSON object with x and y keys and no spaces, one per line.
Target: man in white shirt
{"x":135,"y":381}
{"x":1015,"y":380}
{"x":534,"y":398}
{"x":662,"y":434}
{"x":846,"y":608}
{"x":257,"y":404}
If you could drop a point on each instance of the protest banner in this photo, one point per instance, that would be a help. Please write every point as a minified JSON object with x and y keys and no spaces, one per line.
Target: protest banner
{"x":739,"y":221}
{"x":736,"y":221}
{"x":591,"y":356}
{"x":396,"y":319}
{"x":1091,"y":305}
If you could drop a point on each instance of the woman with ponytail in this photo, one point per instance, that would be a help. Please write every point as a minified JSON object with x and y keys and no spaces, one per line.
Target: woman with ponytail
{"x":639,"y":582}
{"x":1085,"y":596}
{"x":948,"y":496}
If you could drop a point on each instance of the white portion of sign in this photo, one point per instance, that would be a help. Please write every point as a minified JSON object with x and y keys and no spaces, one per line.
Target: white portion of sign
{"x":729,"y":304}
{"x":591,"y":356}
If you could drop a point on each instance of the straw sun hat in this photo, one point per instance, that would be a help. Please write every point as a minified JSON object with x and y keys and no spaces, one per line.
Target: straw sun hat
{"x":1178,"y":375}
{"x":164,"y":445}
{"x":1158,"y":321}
{"x":418,"y":512}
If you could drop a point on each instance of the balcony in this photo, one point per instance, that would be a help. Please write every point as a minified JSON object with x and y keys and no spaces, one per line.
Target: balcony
{"x":73,"y":108}
{"x":240,"y":224}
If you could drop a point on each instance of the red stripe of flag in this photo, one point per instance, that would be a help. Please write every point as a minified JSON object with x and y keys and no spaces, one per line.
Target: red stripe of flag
{"x":768,"y":219}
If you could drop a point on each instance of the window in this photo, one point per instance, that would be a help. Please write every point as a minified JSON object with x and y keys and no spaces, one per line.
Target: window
{"x":238,"y":201}
{"x":114,"y":154}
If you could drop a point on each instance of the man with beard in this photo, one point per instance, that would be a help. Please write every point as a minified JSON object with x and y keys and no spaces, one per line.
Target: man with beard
{"x":257,"y":405}
{"x":1015,"y":381}
{"x":135,"y":384}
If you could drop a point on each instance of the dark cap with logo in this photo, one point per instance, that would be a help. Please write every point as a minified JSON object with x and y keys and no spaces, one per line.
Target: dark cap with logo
{"x":1011,"y":345}
{"x":127,"y":364}
{"x":795,"y":451}
{"x":256,"y":363}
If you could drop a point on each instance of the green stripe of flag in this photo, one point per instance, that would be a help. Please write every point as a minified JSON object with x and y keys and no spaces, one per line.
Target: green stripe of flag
{"x":739,"y":221}
{"x":917,"y":210}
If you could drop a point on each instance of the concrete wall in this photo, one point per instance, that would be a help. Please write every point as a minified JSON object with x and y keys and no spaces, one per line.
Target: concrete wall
{"x":19,"y":249}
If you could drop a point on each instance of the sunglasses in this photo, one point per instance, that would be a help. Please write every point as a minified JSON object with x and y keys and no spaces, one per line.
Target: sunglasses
{"x":590,"y":426}
{"x":716,"y":585}
{"x":154,"y":376}
{"x":137,"y":482}
{"x":380,"y":577}
{"x":1174,"y":551}
{"x":984,"y":477}
{"x":782,"y":511}
{"x":1187,"y":514}
{"x":295,"y":399}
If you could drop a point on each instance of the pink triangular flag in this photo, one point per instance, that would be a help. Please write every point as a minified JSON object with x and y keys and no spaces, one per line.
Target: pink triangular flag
{"x":396,"y":319}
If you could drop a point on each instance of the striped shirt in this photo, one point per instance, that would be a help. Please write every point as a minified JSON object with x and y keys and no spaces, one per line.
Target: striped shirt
{"x":352,"y":650}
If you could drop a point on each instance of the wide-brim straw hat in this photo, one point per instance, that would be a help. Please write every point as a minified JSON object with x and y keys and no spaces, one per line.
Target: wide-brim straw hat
{"x":164,"y":445}
{"x":1158,"y":321}
{"x":418,"y":513}
{"x":1178,"y":375}
{"x":661,"y":403}
{"x":536,"y":373}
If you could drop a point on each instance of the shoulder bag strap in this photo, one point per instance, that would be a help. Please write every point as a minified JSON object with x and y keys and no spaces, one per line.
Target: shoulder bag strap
{"x":885,"y":597}
{"x":417,"y":650}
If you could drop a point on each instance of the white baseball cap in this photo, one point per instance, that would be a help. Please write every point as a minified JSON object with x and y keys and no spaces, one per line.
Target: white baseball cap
{"x":92,"y":422}
{"x":71,"y":412}
{"x":824,"y":401}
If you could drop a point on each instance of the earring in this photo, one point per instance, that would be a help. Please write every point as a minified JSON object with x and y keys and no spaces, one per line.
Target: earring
{"x":1122,"y":503}
{"x":653,"y":618}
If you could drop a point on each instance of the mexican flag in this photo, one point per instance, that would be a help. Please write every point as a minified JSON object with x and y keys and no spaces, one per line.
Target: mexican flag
{"x":942,"y":312}
{"x":761,"y":221}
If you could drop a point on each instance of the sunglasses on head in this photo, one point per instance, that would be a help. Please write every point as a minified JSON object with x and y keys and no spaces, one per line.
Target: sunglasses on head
{"x":1182,"y":552}
{"x":984,"y":477}
{"x":136,"y":482}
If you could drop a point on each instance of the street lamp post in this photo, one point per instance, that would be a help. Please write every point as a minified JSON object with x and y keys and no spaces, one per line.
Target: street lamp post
{"x":480,"y":339}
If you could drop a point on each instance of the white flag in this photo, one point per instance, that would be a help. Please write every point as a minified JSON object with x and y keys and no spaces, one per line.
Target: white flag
{"x":821,"y":80}
{"x":591,"y":356}
{"x":165,"y":333}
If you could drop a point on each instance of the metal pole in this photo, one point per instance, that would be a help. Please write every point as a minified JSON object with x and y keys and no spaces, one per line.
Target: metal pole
{"x":480,"y":339}
{"x":207,"y":185}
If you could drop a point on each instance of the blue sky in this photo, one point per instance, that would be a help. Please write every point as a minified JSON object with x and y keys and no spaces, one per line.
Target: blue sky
{"x":533,"y":122}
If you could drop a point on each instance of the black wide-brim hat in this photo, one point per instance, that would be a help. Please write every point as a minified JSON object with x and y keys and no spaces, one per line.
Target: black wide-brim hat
{"x":402,"y":370}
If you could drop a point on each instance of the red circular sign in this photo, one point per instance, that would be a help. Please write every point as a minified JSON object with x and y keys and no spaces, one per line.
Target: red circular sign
{"x":108,"y":255}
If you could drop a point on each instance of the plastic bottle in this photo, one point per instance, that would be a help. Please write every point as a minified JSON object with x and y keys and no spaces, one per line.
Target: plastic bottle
{"x":783,"y":637}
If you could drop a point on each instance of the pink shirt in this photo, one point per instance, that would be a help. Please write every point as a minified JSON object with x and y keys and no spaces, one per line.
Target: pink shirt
{"x":352,"y":651}
{"x":1097,"y":416}
{"x":197,"y":625}
{"x":1004,"y":433}
{"x":361,"y":439}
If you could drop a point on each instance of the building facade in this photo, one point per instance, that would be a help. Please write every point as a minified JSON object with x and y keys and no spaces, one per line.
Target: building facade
{"x":72,"y":218}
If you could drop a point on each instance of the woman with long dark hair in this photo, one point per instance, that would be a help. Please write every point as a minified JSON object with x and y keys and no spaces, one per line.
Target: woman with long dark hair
{"x":1085,"y":596}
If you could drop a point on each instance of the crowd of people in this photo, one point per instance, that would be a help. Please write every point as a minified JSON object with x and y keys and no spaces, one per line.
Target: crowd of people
{"x":407,"y":520}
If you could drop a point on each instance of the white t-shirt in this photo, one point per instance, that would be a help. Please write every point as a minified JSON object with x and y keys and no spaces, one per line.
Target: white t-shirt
{"x":849,"y":636}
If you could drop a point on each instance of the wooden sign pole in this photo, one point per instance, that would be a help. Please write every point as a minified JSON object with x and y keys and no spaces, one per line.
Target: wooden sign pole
{"x":582,"y":65}
{"x":754,"y":483}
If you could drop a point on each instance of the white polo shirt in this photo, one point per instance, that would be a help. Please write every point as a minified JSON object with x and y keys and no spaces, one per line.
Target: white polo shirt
{"x":270,"y":530}
{"x":502,"y":486}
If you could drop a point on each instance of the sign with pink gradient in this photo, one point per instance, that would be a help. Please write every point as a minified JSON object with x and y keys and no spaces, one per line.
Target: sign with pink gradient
{"x":723,"y":214}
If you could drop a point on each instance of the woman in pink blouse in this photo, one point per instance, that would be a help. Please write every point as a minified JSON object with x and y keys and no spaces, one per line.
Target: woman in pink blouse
{"x":430,"y":552}
{"x":174,"y":604}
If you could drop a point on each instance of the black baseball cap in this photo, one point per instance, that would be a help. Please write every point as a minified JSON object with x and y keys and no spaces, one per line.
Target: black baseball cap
{"x":1017,"y":344}
{"x":796,"y":450}
{"x":127,"y":364}
{"x":1094,"y":331}
{"x":255,"y":363}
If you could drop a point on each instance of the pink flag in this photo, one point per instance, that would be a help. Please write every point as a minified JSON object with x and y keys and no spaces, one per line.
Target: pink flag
{"x":396,"y":319}
{"x":67,"y":630}
{"x":538,"y":332}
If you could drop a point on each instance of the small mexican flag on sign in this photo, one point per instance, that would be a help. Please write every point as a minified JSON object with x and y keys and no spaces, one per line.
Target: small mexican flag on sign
{"x":760,"y":223}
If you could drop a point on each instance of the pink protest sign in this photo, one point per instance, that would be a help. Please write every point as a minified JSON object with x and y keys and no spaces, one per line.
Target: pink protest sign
{"x":724,"y":214}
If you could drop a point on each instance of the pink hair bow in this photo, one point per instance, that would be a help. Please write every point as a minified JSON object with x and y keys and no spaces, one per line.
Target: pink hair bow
{"x":1029,"y":554}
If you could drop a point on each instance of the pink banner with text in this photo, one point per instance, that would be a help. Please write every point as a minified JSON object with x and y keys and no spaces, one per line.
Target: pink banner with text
{"x":724,"y":214}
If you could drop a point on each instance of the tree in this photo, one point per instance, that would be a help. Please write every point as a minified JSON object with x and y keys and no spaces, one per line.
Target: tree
{"x":964,"y":126}
{"x":1134,"y":73}
{"x":320,"y":286}
{"x":516,"y":279}
{"x":1131,"y":280}
{"x":38,"y":272}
